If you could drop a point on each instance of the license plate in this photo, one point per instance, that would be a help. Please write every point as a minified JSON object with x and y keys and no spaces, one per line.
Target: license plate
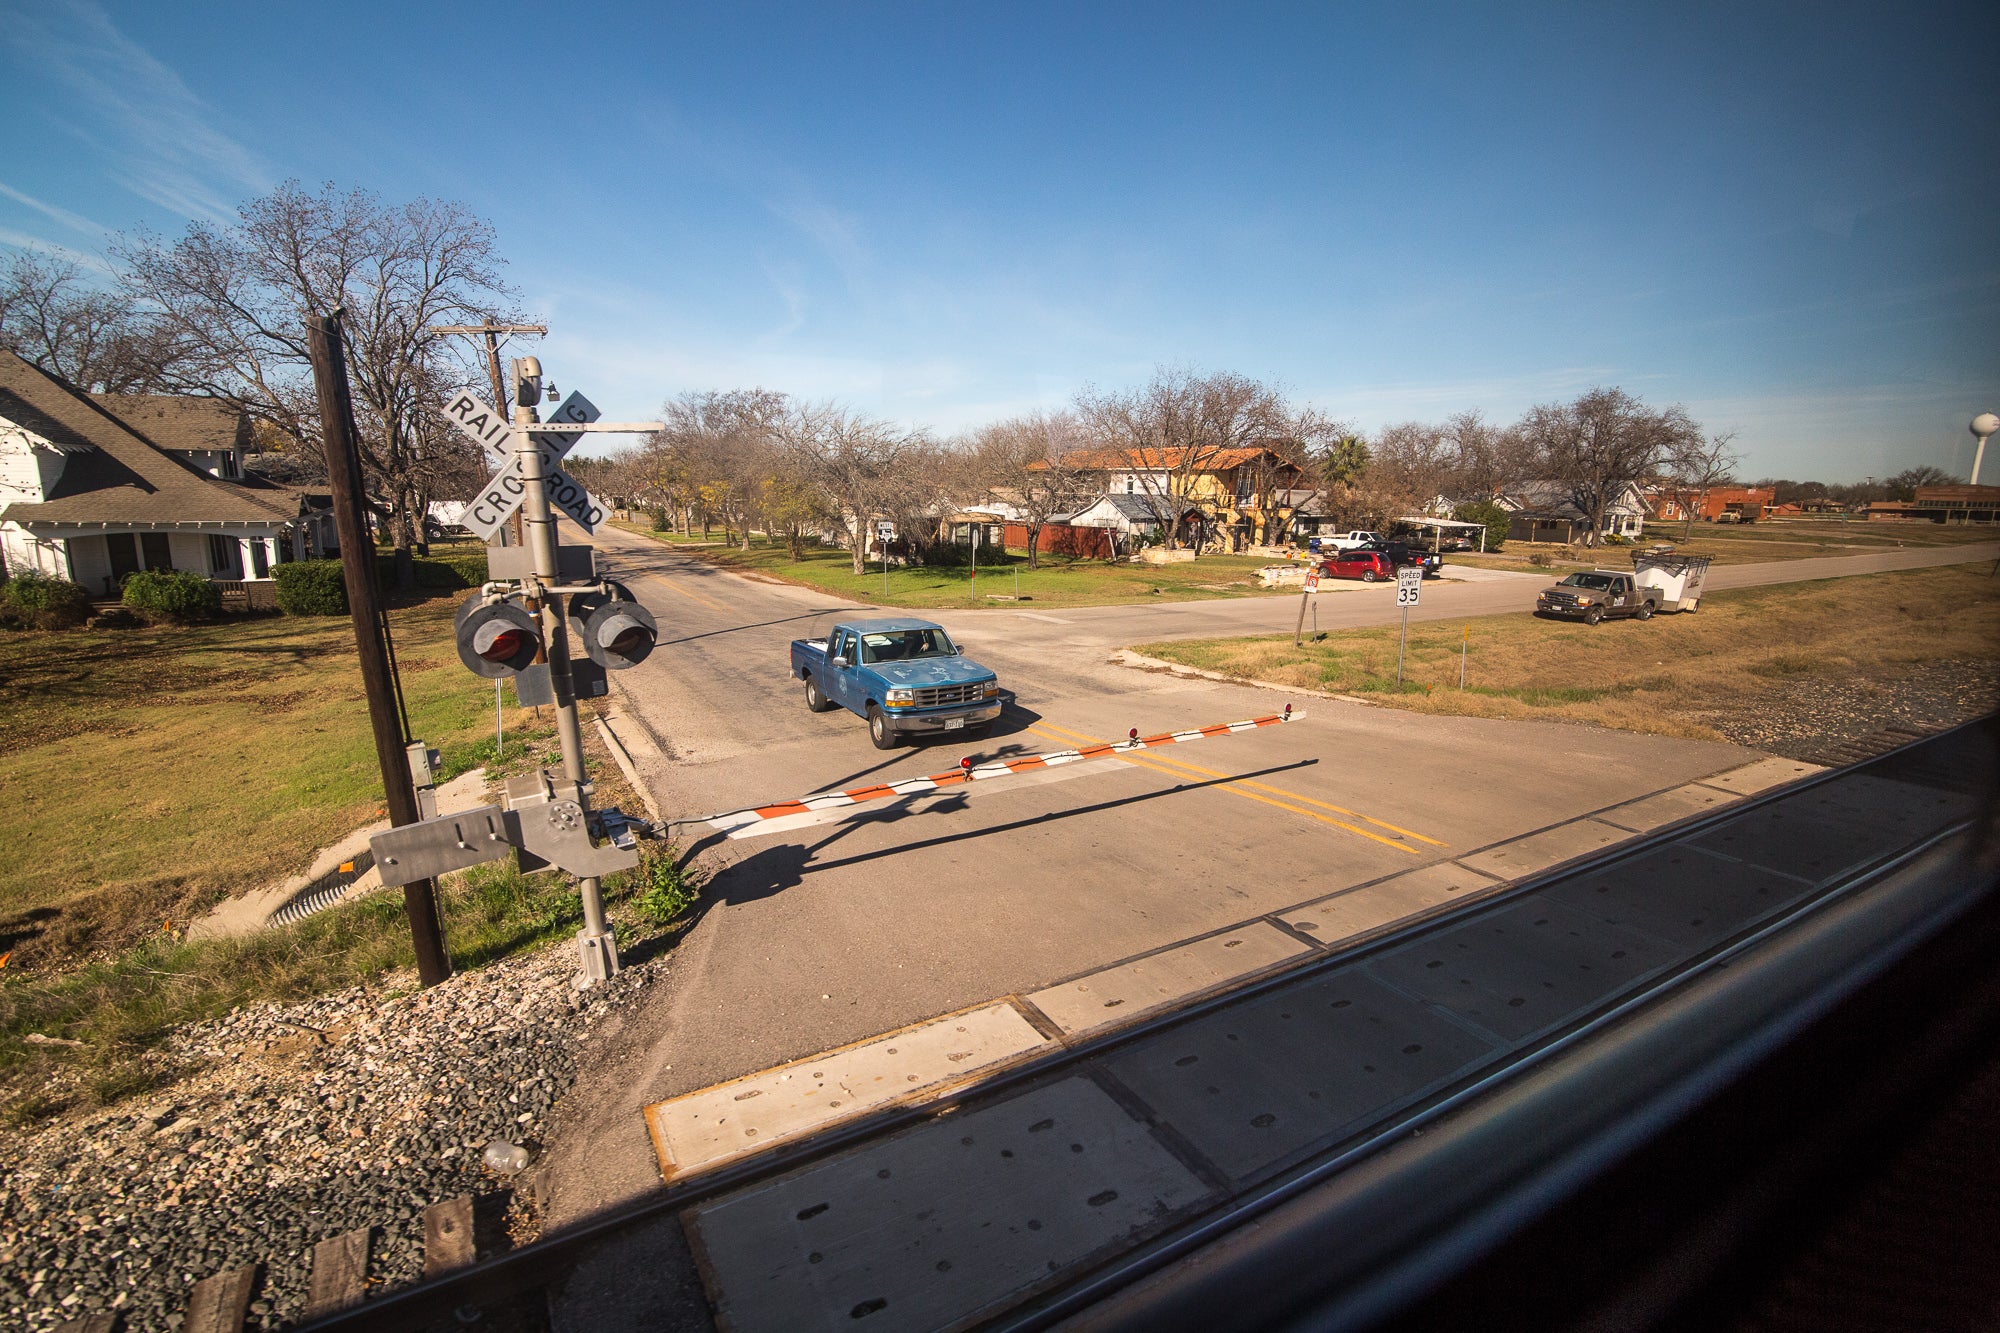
{"x":954,"y":723}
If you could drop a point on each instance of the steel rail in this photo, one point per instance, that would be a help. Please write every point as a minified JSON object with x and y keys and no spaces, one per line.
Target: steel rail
{"x":1360,"y":1161}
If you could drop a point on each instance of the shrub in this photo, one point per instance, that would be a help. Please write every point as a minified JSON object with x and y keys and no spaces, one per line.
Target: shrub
{"x":666,"y":888}
{"x":662,"y":523}
{"x":453,"y":571}
{"x":1493,"y":514}
{"x":41,"y":601}
{"x":173,"y":593}
{"x":1540,"y":560}
{"x":311,"y":588}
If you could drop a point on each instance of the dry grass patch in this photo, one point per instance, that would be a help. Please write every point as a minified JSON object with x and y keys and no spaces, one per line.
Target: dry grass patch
{"x":1737,"y":544}
{"x":1659,"y":676}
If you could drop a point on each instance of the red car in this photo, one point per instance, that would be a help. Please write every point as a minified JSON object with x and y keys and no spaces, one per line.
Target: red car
{"x":1367,"y":566}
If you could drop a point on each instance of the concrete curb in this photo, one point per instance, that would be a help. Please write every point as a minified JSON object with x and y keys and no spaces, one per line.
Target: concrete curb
{"x":1125,"y":657}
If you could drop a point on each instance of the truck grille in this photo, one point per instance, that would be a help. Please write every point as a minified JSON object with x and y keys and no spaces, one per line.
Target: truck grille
{"x":939,"y":696}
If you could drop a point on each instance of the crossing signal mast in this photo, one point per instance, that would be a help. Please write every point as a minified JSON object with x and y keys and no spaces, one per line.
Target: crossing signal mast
{"x":519,"y":625}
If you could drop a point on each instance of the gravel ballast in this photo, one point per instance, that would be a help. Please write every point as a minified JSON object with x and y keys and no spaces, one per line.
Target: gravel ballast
{"x":302,"y":1122}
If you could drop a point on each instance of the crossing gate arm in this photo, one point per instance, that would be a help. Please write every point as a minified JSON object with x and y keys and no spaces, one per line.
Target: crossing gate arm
{"x":753,"y":820}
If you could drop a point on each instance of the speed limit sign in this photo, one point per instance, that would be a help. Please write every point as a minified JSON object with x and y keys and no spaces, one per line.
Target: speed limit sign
{"x":1409,"y":582}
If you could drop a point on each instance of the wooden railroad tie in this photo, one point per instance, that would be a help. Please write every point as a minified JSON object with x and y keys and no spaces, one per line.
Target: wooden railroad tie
{"x":339,"y":1277}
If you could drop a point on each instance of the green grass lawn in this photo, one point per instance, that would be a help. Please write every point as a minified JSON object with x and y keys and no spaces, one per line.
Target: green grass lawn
{"x":146,"y":774}
{"x":150,"y":772}
{"x":1055,"y":584}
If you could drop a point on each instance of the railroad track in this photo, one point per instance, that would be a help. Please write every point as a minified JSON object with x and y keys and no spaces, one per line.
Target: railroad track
{"x":1062,"y":1186}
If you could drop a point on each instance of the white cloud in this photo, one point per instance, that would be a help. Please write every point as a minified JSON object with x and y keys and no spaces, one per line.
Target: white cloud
{"x":165,"y":145}
{"x":74,"y":221}
{"x":22,"y":240}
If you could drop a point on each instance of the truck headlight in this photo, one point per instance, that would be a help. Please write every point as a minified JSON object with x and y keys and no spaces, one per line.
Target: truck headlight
{"x":900,"y":698}
{"x":991,"y":690}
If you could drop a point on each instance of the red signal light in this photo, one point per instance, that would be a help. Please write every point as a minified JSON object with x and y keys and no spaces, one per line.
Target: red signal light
{"x":504,"y":646}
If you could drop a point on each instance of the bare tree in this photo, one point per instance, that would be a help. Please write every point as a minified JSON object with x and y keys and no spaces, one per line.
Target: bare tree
{"x":850,"y":457}
{"x":1301,"y":457}
{"x":1025,"y":463}
{"x":94,"y":338}
{"x":1697,"y":465}
{"x":1602,"y":442}
{"x":1485,"y":459}
{"x":720,"y":447}
{"x":1176,"y":430}
{"x":235,"y":299}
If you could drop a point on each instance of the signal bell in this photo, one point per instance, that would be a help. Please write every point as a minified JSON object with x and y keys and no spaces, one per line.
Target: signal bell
{"x":498,"y":640}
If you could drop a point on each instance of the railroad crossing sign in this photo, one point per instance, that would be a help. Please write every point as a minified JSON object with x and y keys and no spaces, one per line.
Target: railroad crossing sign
{"x":1409,"y":582}
{"x":504,"y":492}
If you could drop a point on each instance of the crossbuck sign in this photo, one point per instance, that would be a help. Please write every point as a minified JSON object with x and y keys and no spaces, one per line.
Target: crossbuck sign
{"x":504,"y":492}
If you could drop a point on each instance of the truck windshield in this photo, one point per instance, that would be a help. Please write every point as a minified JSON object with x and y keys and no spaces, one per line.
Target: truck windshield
{"x":1600,"y":581}
{"x":904,"y":645}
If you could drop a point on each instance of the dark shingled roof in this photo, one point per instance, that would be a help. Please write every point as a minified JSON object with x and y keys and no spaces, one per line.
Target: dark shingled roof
{"x":189,"y":424}
{"x":114,"y":474}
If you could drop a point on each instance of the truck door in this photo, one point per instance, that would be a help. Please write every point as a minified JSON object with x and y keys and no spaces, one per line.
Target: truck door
{"x":843,"y":682}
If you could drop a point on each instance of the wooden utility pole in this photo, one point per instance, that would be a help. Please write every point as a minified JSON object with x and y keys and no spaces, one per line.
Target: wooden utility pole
{"x":357,"y":560}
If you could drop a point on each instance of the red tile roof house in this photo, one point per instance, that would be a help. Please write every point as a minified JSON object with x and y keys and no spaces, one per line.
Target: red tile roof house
{"x":94,"y":487}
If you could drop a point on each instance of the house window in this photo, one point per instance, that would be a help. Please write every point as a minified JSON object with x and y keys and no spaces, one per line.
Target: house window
{"x":1130,"y":485}
{"x":156,"y":550}
{"x":221,"y":554}
{"x":260,"y":559}
{"x":229,"y":468}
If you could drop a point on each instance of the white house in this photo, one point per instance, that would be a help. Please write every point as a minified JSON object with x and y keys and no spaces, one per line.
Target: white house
{"x":1546,"y":507}
{"x":1118,"y":510}
{"x":94,"y":487}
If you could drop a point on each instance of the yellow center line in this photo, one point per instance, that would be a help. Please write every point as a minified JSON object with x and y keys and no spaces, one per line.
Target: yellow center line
{"x":1275,"y":791}
{"x":1234,"y":790}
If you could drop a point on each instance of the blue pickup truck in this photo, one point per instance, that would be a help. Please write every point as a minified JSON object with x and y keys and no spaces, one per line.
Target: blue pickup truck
{"x":904,"y":676}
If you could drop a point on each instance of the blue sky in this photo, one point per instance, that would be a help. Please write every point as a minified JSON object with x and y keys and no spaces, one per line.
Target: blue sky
{"x":1786,"y":218}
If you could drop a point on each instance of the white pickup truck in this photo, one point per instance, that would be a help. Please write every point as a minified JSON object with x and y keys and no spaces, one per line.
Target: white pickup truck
{"x":1348,"y":541}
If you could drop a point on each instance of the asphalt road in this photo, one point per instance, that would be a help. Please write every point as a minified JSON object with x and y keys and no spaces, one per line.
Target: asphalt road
{"x":827,"y":934}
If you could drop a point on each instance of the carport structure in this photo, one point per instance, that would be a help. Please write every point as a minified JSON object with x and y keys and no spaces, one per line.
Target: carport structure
{"x":1438,"y":526}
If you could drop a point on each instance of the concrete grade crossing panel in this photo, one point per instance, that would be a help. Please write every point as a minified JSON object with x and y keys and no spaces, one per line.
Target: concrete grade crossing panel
{"x":718,"y":1124}
{"x":1263,"y":1083}
{"x":1682,"y":894}
{"x":1119,"y":994}
{"x":1763,"y":775}
{"x":1666,"y":807}
{"x":1524,"y":968}
{"x":1914,"y":808}
{"x":1351,"y":912}
{"x":1804,"y":839}
{"x":1538,"y":851}
{"x":928,"y":1228}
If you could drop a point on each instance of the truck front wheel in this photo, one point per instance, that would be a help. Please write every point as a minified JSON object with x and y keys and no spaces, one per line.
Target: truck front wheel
{"x":816,"y":701}
{"x":1593,"y":615}
{"x":878,"y":729}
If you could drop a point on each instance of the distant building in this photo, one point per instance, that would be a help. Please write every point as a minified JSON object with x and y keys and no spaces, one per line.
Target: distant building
{"x":1219,"y":493}
{"x":1545,"y":511}
{"x":94,"y":487}
{"x":1943,"y":504}
{"x":1748,"y":503}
